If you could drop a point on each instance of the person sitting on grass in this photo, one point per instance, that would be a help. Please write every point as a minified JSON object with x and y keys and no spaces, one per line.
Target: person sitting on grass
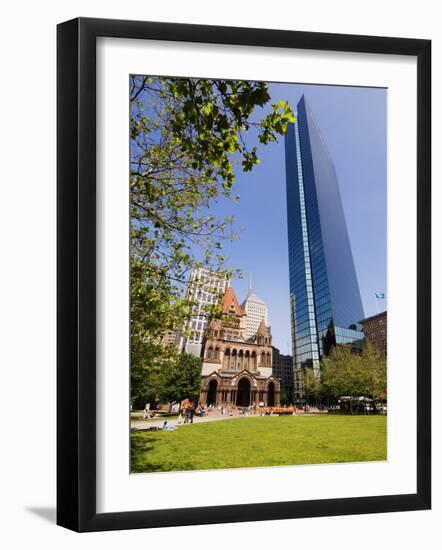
{"x":167,"y":427}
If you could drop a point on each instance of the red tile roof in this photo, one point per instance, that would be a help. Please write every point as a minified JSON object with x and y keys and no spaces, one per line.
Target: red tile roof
{"x":229,"y":303}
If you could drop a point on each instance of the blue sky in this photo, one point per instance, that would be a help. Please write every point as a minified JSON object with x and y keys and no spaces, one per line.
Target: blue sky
{"x":353,"y":124}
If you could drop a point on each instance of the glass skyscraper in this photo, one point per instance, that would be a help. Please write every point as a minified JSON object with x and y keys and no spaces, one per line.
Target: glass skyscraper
{"x":324,"y":292}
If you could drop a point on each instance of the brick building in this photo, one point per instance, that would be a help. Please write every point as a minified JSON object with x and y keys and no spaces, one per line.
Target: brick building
{"x":375,"y":330}
{"x":237,"y":371}
{"x":282,"y":368}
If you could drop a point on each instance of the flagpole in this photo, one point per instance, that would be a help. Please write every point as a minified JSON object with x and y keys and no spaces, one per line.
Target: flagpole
{"x":378,"y":296}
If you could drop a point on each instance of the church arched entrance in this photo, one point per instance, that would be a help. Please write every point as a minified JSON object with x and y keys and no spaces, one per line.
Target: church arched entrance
{"x":243,"y":393}
{"x":271,"y":395}
{"x":211,"y":392}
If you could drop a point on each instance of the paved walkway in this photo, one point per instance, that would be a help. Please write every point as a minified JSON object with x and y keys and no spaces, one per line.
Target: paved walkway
{"x":212,"y":417}
{"x":143,"y":424}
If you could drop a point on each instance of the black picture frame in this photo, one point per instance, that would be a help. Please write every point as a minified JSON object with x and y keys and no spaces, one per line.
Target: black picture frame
{"x":77,"y":287}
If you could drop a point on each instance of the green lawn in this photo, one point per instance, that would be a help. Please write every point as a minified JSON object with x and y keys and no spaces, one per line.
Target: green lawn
{"x":261,"y":441}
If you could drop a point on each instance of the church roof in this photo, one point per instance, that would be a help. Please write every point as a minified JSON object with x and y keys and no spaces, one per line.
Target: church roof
{"x":229,"y":303}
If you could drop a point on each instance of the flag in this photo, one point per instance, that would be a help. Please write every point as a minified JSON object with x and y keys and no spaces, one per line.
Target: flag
{"x":380,"y":295}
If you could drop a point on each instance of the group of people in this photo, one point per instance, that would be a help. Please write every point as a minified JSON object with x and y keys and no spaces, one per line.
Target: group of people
{"x":147,"y":412}
{"x":188,"y":412}
{"x":221,"y":409}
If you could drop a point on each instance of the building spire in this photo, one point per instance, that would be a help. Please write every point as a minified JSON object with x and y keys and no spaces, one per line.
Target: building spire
{"x":250,"y":283}
{"x":230,"y":305}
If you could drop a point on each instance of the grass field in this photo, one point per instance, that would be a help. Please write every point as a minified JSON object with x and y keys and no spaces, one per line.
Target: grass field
{"x":261,"y":441}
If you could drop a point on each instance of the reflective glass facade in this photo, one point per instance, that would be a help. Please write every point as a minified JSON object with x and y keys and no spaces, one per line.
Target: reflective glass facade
{"x":324,"y":291}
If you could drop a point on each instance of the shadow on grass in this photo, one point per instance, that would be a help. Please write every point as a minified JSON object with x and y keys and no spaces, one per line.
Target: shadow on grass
{"x":139,"y":446}
{"x":142,"y":444}
{"x":140,"y":467}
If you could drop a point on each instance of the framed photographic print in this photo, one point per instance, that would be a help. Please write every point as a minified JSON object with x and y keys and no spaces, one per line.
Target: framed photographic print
{"x":236,"y":208}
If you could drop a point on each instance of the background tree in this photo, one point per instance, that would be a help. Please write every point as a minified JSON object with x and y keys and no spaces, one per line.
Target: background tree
{"x":187,"y":138}
{"x":147,"y":381}
{"x":286,"y":398}
{"x":375,"y":365}
{"x":181,"y":380}
{"x":345,"y":372}
{"x":311,"y":385}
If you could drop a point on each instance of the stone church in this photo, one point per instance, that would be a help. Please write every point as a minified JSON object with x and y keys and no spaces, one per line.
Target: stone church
{"x":236,"y":370}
